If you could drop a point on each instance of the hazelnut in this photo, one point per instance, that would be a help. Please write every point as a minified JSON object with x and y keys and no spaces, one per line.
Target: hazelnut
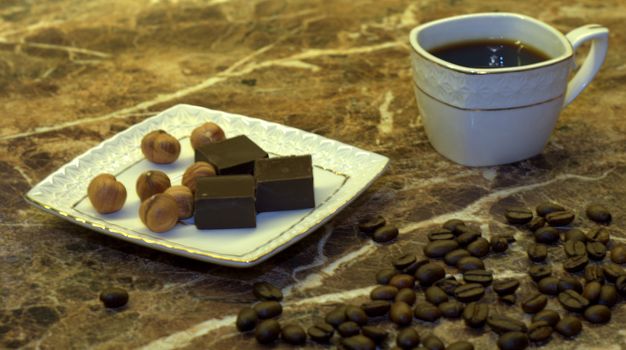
{"x":206,"y":133}
{"x":184,"y":199}
{"x":106,"y":194}
{"x":197,"y":169}
{"x":160,"y":147}
{"x":151,"y":182}
{"x":159,"y":212}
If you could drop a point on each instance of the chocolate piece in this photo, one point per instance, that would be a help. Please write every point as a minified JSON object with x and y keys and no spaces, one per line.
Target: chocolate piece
{"x":284,"y":183}
{"x":235,"y":155}
{"x":225,"y":202}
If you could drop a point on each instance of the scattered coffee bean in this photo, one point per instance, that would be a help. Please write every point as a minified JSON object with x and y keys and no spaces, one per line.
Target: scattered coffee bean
{"x":441,"y":234}
{"x":536,"y":223}
{"x":467,"y":237}
{"x":539,"y":331}
{"x":460,"y":345}
{"x":620,"y":285}
{"x":570,"y":282}
{"x":384,"y":276}
{"x":429,"y":274}
{"x":402,"y":281}
{"x":267,"y":331}
{"x":356,"y":314}
{"x":451,"y":309}
{"x":453,"y":257}
{"x":348,"y":329}
{"x":599,"y":234}
{"x":574,"y":235}
{"x":358,"y":342}
{"x":549,"y":285}
{"x":435,"y":295}
{"x":591,"y":291}
{"x":479,"y":248}
{"x":572,"y":301}
{"x":538,"y":272}
{"x":403,"y":261}
{"x":377,"y":334}
{"x":321,"y":332}
{"x":534,"y":303}
{"x":385,"y":233}
{"x":448,"y":284}
{"x":513,"y":341}
{"x":470,"y":263}
{"x":469,"y":292}
{"x":383,"y":293}
{"x":407,"y":338}
{"x":114,"y":297}
{"x":501,"y":324}
{"x":598,"y":213}
{"x":268,"y":309}
{"x":246,"y":319}
{"x":376,"y":308}
{"x":612,"y":272}
{"x":594,"y":273}
{"x":550,"y":316}
{"x":265,"y":291}
{"x":560,"y":218}
{"x":574,"y":248}
{"x":401,"y":313}
{"x":337,"y":316}
{"x":452,"y":225}
{"x":546,"y":208}
{"x":596,"y":250}
{"x":569,"y":326}
{"x":597,"y":314}
{"x":509,"y":299}
{"x":426,"y":311}
{"x":410,"y":269}
{"x":547,"y":235}
{"x":432,"y":342}
{"x":475,"y":315}
{"x":518,"y":216}
{"x":369,"y":225}
{"x":608,"y":295}
{"x":505,"y":286}
{"x":618,"y":254}
{"x":478,"y":276}
{"x":407,"y":295}
{"x":438,"y":249}
{"x":537,"y":252}
{"x":575,"y":263}
{"x":499,"y":244}
{"x":293,"y":334}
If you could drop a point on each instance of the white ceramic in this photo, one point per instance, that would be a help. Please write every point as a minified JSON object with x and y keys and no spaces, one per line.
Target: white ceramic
{"x":340,"y":173}
{"x":483,"y":117}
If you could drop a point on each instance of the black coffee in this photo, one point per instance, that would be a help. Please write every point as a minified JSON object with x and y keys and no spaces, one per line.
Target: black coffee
{"x":490,"y":53}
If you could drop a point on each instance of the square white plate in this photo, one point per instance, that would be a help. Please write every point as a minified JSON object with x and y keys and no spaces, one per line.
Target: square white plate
{"x":341,"y":173}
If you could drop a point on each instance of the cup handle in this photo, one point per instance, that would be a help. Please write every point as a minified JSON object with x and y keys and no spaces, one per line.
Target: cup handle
{"x":599,"y":37}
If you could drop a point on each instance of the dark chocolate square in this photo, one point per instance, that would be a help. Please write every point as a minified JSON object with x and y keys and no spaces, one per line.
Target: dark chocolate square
{"x":284,"y":183}
{"x":235,"y":155}
{"x":225,"y":202}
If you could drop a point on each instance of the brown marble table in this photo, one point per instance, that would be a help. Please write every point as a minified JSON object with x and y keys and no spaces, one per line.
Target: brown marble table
{"x":73,"y":73}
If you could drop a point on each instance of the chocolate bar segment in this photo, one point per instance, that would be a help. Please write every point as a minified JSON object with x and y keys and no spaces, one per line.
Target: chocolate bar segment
{"x":284,"y":183}
{"x":225,"y":202}
{"x":235,"y":155}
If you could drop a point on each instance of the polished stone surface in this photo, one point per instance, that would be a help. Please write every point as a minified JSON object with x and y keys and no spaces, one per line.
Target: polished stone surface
{"x":73,"y":73}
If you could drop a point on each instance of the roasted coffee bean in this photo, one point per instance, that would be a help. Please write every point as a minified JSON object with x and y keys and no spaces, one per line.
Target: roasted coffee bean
{"x":570,"y":282}
{"x":560,"y":218}
{"x":550,"y":316}
{"x":385,"y":233}
{"x":539,"y":332}
{"x":572,"y":301}
{"x":591,"y":291}
{"x":575,"y":263}
{"x":483,"y":277}
{"x":596,"y":250}
{"x":509,"y":299}
{"x":293,"y":334}
{"x":569,"y":326}
{"x":407,"y":338}
{"x":336,"y":316}
{"x":376,"y":308}
{"x":426,"y":311}
{"x":597,"y":314}
{"x":598,"y":213}
{"x":620,"y":285}
{"x":618,"y":254}
{"x":547,"y":235}
{"x":246,"y":319}
{"x":599,"y":234}
{"x":534,"y":303}
{"x":383,"y":293}
{"x":608,"y":295}
{"x":469,"y":292}
{"x":384,"y":276}
{"x":267,"y":331}
{"x":432,"y":342}
{"x":358,"y":342}
{"x":537,"y":252}
{"x":452,"y":225}
{"x":377,"y":334}
{"x":470,"y":263}
{"x":594,"y":273}
{"x":407,"y":295}
{"x":499,"y":244}
{"x":369,"y":225}
{"x":266,"y":292}
{"x":505,"y":286}
{"x":460,"y":345}
{"x":475,"y":315}
{"x":538,"y":272}
{"x":348,"y":329}
{"x":403,"y":261}
{"x":429,"y":274}
{"x":513,"y":341}
{"x":402,"y":281}
{"x":574,"y":248}
{"x":536,"y":223}
{"x":448,"y":285}
{"x":400,"y":313}
{"x":321,"y":332}
{"x":114,"y":297}
{"x":268,"y":309}
{"x":440,"y":235}
{"x":518,"y":215}
{"x":453,"y":257}
{"x":438,"y":249}
{"x":501,"y":324}
{"x":549,"y":285}
{"x":356,"y":314}
{"x":574,"y":235}
{"x":612,"y":272}
{"x":414,"y":266}
{"x":546,"y":208}
{"x":479,"y":248}
{"x":451,"y":309}
{"x":435,"y":295}
{"x":465,"y":238}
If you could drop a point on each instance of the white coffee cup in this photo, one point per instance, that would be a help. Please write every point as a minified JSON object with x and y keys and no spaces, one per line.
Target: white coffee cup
{"x":490,"y":116}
